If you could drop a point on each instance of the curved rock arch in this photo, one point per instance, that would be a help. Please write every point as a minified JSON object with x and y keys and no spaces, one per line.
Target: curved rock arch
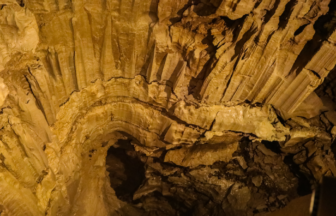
{"x":193,"y":79}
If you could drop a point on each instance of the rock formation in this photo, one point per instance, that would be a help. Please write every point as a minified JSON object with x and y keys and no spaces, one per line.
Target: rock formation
{"x":164,"y":107}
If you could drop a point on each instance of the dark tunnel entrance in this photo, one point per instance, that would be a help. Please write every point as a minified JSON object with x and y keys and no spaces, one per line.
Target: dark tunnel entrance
{"x":126,"y":170}
{"x":259,"y":178}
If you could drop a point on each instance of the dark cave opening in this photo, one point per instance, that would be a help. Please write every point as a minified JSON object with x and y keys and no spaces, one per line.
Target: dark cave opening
{"x":273,"y":146}
{"x":126,"y":170}
{"x":304,"y":186}
{"x":150,"y":184}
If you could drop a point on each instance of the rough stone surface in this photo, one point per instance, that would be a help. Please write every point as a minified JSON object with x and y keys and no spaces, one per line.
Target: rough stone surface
{"x":164,"y":107}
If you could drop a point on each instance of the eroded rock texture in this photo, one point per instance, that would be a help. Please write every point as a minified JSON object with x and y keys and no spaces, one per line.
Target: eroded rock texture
{"x":164,"y":107}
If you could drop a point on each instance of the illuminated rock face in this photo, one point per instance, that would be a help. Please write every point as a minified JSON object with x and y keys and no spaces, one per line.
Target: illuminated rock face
{"x":164,"y":107}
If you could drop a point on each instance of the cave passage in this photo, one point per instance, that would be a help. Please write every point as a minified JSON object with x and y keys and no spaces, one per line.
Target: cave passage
{"x":125,"y":169}
{"x":266,"y":177}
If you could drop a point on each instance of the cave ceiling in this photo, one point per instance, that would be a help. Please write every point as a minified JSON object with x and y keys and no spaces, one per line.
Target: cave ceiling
{"x":164,"y":107}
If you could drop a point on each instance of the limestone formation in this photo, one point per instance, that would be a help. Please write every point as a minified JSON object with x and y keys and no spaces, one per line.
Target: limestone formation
{"x":164,"y":107}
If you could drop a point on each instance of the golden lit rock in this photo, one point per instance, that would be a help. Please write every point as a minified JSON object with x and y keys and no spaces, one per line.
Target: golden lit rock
{"x":169,"y":107}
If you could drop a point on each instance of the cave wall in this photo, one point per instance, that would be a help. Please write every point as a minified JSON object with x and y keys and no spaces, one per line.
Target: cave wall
{"x":188,"y":81}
